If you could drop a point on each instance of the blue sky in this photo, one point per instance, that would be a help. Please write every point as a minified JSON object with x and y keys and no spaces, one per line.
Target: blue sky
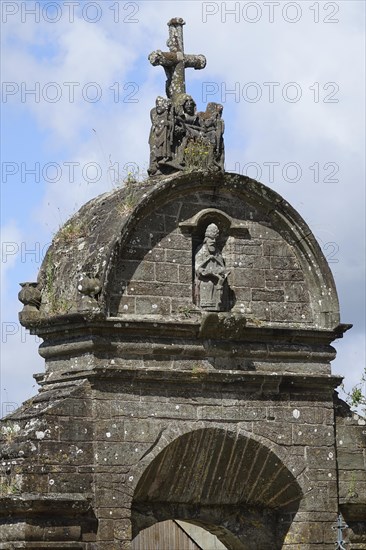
{"x":289,"y":74}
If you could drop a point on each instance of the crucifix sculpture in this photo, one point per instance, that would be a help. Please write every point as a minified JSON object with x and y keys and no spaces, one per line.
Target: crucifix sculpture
{"x":175,"y":61}
{"x":180,"y":137}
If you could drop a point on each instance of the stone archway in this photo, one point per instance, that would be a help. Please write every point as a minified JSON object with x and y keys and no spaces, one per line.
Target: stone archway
{"x":230,"y":484}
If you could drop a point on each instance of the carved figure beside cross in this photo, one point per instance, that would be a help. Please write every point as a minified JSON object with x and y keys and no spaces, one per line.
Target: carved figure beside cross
{"x":180,"y":138}
{"x":175,"y":61}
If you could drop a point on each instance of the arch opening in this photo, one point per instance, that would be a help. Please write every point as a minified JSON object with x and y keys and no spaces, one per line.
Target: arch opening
{"x":174,"y":533}
{"x":232,"y":485}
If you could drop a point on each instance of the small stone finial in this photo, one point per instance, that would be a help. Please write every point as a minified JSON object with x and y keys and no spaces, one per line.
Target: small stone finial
{"x":89,"y":288}
{"x":30,"y":296}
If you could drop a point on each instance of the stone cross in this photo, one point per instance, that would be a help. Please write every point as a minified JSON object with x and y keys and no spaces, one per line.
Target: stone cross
{"x":175,"y":61}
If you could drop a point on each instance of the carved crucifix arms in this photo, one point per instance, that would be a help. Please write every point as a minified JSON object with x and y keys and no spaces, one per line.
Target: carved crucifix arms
{"x":175,"y":61}
{"x":182,"y":138}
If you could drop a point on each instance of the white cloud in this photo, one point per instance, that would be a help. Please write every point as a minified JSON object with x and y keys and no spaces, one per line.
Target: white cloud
{"x":11,"y":244}
{"x":351,"y":360}
{"x":19,"y":358}
{"x":19,"y":361}
{"x":85,"y":64}
{"x":305,"y":132}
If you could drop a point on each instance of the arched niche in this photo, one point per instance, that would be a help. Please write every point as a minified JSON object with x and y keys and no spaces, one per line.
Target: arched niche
{"x":227,"y":225}
{"x":196,"y":228}
{"x":232,"y":485}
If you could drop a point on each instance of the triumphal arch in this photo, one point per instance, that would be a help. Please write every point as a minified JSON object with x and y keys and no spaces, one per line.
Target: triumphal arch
{"x":187,"y":325}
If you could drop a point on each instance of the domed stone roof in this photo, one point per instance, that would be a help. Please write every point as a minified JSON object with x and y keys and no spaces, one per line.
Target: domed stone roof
{"x":130,"y":251}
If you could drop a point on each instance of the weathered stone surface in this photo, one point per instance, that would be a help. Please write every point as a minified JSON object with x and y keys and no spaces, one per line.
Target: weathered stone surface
{"x":151,"y":408}
{"x":180,"y":138}
{"x":265,"y":262}
{"x":351,"y":449}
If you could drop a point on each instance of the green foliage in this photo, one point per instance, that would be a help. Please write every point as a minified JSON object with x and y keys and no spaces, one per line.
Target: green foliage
{"x":254,"y":321}
{"x":356,"y":397}
{"x":130,"y":179}
{"x":132,"y":183}
{"x":50,"y":273}
{"x":351,"y":492}
{"x":135,"y":176}
{"x":60,"y":306}
{"x":129,"y":201}
{"x":198,"y":368}
{"x":9,"y":487}
{"x":71,"y":231}
{"x":57,"y":304}
{"x":196,"y":155}
{"x":185,"y":310}
{"x":9,"y":482}
{"x":9,"y":431}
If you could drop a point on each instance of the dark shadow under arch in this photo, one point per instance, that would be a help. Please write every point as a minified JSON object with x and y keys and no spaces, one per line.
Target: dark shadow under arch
{"x":232,"y":485}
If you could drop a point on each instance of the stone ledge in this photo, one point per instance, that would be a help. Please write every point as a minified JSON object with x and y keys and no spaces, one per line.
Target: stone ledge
{"x":248,"y":382}
{"x":39,"y":545}
{"x":233,"y":325}
{"x":70,"y":504}
{"x":221,"y":330}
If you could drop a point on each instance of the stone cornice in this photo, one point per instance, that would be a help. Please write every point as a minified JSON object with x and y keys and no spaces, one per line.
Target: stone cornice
{"x":240,"y":329}
{"x":212,"y":380}
{"x":69,"y":504}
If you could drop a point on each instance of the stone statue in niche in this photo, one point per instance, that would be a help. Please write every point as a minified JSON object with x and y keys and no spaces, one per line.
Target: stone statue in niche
{"x":210,"y":273}
{"x":180,"y":138}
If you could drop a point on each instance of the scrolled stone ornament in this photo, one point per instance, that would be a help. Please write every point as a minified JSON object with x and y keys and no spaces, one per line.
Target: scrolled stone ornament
{"x":89,"y":286}
{"x":30,"y":296}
